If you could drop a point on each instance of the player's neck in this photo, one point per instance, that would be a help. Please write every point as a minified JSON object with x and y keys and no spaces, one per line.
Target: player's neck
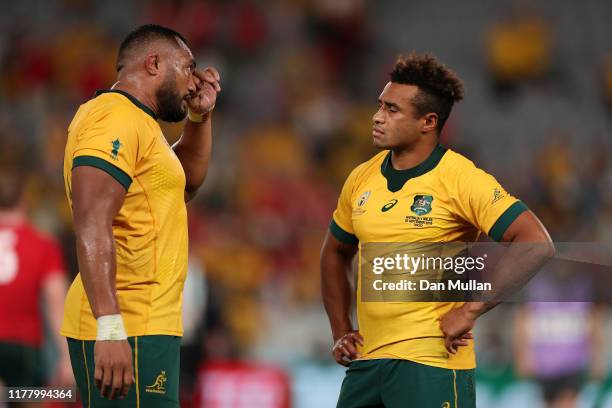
{"x":135,"y":89}
{"x":407,"y":158}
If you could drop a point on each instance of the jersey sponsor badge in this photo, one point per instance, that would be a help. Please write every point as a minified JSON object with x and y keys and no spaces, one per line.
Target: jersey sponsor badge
{"x":389,"y":205}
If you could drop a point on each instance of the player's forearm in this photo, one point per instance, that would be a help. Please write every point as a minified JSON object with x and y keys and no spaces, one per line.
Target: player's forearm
{"x":525,"y":256}
{"x":193,"y":150}
{"x":97,"y":265}
{"x":336,"y":291}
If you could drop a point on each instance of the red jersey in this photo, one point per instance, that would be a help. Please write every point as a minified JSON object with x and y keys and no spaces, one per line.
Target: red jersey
{"x":27,"y":258}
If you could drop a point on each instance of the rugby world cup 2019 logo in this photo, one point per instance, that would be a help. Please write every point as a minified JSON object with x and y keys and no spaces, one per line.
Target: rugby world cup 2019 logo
{"x":361,"y":201}
{"x":421,"y":204}
{"x":363,"y":198}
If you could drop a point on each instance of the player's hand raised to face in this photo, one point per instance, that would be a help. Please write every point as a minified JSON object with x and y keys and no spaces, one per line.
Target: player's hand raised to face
{"x":207,"y":87}
{"x":345,"y":348}
{"x":114,"y":371}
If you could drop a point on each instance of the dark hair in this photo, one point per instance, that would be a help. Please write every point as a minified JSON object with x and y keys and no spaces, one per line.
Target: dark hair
{"x":439,"y":87}
{"x":141,"y":36}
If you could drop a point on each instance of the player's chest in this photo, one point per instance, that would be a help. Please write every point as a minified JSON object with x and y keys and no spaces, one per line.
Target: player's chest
{"x":416,"y":212}
{"x":161,"y":169}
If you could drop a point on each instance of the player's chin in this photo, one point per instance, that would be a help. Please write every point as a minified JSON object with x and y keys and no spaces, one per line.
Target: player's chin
{"x":379,"y":143}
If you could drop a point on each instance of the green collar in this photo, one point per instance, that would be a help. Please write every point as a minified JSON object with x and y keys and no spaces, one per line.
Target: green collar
{"x":397,"y":178}
{"x":135,"y":101}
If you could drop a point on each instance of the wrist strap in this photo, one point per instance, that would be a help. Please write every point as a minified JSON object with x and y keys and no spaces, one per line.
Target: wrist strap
{"x":198,"y":117}
{"x":110,"y":327}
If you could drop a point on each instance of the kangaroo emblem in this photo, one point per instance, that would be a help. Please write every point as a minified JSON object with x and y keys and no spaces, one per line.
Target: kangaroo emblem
{"x":158,"y":386}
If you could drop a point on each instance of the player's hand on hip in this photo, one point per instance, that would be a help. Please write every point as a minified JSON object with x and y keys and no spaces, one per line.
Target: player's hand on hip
{"x":207,"y":87}
{"x":345,"y":347}
{"x":114,"y":370}
{"x":456,"y":326}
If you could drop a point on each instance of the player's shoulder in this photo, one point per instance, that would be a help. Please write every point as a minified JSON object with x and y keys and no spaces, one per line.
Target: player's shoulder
{"x":455,"y":165}
{"x":115,"y":105}
{"x":369,"y":167}
{"x":108,"y":110}
{"x":455,"y":161}
{"x":109,"y":107}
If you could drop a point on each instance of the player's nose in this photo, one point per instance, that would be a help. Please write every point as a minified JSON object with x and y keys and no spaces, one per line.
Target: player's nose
{"x":192,"y":86}
{"x":378,"y":117}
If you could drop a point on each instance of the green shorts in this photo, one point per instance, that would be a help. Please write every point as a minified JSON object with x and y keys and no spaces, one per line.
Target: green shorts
{"x":156,"y":371}
{"x":20,"y":365}
{"x":401,"y":383}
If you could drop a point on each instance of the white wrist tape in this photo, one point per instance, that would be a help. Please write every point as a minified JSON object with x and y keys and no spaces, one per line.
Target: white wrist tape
{"x":110,"y":327}
{"x":195,"y":117}
{"x":198,"y":117}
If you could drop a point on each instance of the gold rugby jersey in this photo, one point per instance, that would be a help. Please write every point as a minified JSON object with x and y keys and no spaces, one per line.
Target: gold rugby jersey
{"x":119,"y":135}
{"x":444,"y":199}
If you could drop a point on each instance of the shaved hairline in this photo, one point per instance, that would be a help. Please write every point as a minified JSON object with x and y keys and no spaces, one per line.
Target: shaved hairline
{"x":144,"y":47}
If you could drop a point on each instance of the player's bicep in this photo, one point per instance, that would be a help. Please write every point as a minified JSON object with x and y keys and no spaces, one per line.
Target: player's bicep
{"x":96,"y":196}
{"x":526,"y":228}
{"x":332,"y":245}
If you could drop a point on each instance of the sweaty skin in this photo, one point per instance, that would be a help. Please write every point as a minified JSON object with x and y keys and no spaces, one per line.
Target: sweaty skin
{"x":93,"y":219}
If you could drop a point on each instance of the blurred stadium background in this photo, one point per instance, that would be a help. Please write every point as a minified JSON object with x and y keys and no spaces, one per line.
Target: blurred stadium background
{"x":300,"y":81}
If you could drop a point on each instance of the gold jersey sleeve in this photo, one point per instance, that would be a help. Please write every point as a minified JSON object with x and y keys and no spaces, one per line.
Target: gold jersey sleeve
{"x":342,"y":215}
{"x":342,"y":220}
{"x":480,"y":199}
{"x":110,"y":136}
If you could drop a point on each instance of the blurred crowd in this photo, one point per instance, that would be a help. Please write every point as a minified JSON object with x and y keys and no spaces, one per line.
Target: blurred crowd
{"x":300,"y":81}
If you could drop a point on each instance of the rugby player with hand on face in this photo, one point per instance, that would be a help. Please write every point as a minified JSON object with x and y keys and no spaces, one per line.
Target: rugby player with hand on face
{"x":127,"y":189}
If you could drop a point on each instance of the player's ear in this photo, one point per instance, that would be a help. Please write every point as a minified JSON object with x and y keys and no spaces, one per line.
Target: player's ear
{"x":430,"y":122}
{"x":151,"y":64}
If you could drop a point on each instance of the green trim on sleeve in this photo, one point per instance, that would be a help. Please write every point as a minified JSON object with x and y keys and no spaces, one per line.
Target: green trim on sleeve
{"x":341,"y":235}
{"x":503,"y":222}
{"x":102,"y":164}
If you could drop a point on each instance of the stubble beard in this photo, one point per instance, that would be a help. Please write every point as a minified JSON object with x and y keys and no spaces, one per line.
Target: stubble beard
{"x":169,"y":101}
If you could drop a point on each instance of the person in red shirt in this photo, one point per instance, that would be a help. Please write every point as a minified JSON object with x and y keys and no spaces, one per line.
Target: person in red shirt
{"x":31,"y":269}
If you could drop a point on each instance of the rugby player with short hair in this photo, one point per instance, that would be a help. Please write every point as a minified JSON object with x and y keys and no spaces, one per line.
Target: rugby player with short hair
{"x":127,"y":189}
{"x":414,"y":354}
